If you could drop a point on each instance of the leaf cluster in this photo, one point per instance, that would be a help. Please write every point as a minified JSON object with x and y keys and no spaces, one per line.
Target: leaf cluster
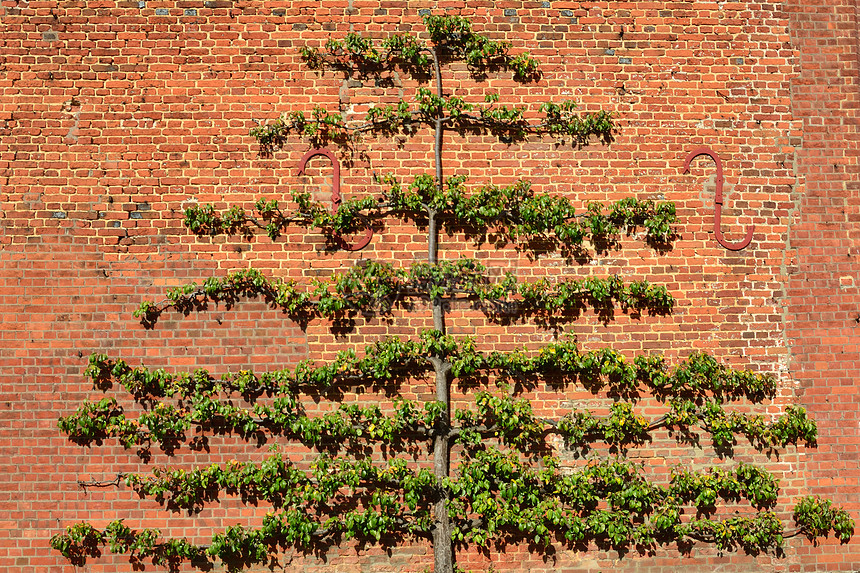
{"x":518,"y":212}
{"x":454,"y":38}
{"x":379,"y":286}
{"x":816,"y":517}
{"x":320,"y":127}
{"x":383,"y":361}
{"x":82,"y":540}
{"x":451,"y":38}
{"x":500,"y":499}
{"x":512,"y":212}
{"x":558,"y":120}
{"x":168,"y":424}
{"x":331,"y":483}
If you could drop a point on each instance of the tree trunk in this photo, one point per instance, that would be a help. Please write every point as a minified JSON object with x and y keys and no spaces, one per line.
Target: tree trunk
{"x":443,"y":546}
{"x":443,"y":550}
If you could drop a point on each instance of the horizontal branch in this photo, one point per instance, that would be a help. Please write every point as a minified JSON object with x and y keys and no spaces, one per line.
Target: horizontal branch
{"x":513,"y":213}
{"x":514,"y":423}
{"x":698,"y":377}
{"x":323,"y":126}
{"x":167,"y":424}
{"x":509,"y":124}
{"x":377,"y":287}
{"x":383,"y":362}
{"x":332,"y":484}
{"x":288,"y":530}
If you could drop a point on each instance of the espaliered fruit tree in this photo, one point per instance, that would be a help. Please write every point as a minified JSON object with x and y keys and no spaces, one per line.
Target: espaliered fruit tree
{"x":385,"y":475}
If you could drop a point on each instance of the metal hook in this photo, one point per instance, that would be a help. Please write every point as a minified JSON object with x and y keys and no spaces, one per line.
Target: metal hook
{"x":335,"y":195}
{"x":718,"y":200}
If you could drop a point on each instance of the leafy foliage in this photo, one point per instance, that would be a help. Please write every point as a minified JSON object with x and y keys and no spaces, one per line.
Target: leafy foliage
{"x":369,"y":481}
{"x":514,"y":212}
{"x":380,"y":286}
{"x":521,"y":503}
{"x":692,"y":391}
{"x":451,"y":38}
{"x":817,"y":517}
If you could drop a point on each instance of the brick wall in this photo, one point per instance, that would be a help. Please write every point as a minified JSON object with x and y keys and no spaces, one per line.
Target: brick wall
{"x":115,"y":116}
{"x":821,"y":291}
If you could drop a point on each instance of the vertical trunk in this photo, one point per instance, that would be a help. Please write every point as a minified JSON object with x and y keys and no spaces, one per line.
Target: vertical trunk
{"x":443,"y":550}
{"x":443,"y":547}
{"x":438,"y":147}
{"x":433,"y":228}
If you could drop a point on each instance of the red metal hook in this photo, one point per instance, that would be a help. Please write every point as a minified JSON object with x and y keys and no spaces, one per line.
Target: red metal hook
{"x":335,"y":195}
{"x":718,"y":200}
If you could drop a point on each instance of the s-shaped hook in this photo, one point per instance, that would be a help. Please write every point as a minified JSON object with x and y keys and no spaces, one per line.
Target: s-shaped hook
{"x":718,"y":200}
{"x":335,"y":195}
